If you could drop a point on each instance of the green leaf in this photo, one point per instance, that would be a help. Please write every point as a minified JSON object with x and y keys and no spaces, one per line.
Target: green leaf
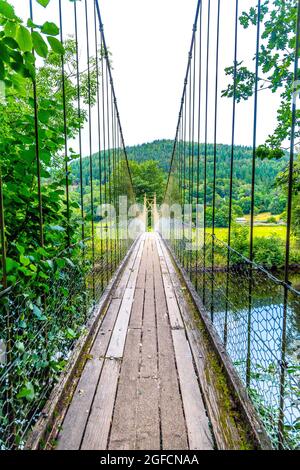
{"x":56,"y":45}
{"x":24,"y":260}
{"x":44,"y":3}
{"x":4,"y":52}
{"x":27,"y":392}
{"x":2,"y":70}
{"x":7,"y":10}
{"x":50,"y":28}
{"x":44,"y":115}
{"x":70,"y":334}
{"x":10,"y":29}
{"x":56,"y":228}
{"x":28,"y":155}
{"x":11,"y":264}
{"x":38,"y":313}
{"x":10,"y":42}
{"x":20,"y":346}
{"x":24,"y":39}
{"x":39,"y":44}
{"x":50,"y":263}
{"x":70,"y":263}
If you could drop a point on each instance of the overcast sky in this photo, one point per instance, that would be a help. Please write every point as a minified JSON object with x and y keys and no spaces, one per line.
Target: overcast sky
{"x":149,"y":41}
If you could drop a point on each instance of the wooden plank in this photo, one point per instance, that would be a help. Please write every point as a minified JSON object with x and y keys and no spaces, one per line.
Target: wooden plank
{"x":117,"y":343}
{"x":173,"y":428}
{"x":173,"y":309}
{"x":166,"y":256}
{"x":140,"y":284}
{"x":136,"y":318}
{"x":199,"y":434}
{"x":119,"y":291}
{"x":160,"y":298}
{"x":147,"y":426}
{"x":99,"y":421}
{"x":76,"y":417}
{"x":135,"y":268}
{"x":123,"y":430}
{"x":75,"y":421}
{"x":131,"y":362}
{"x":149,"y":338}
{"x":149,"y":353}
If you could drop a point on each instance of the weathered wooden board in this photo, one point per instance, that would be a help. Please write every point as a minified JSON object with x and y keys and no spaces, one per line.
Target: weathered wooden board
{"x":76,"y":417}
{"x":199,"y":434}
{"x":136,"y":318}
{"x":117,"y":343}
{"x":123,"y":430}
{"x":136,"y":266}
{"x":173,"y":428}
{"x":149,"y":353}
{"x":142,"y":272}
{"x":119,"y":291}
{"x":99,"y":421}
{"x":147,"y":425}
{"x":173,"y":308}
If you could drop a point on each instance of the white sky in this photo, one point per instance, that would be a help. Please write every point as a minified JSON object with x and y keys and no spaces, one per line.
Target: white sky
{"x":149,"y":41}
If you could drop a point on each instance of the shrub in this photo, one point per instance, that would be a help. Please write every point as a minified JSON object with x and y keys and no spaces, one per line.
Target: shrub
{"x":269,"y":251}
{"x":271,"y":220}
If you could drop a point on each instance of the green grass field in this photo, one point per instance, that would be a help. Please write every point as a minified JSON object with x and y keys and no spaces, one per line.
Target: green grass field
{"x":259,"y":231}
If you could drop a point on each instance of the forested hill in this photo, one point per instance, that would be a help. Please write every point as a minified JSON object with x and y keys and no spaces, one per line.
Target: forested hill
{"x":161,"y":151}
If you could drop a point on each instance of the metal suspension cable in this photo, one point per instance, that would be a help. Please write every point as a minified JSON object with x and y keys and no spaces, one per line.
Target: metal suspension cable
{"x":112,"y":86}
{"x":205,"y":147}
{"x":231,"y":163}
{"x":65,"y":125}
{"x":184,"y":93}
{"x":79,"y":115}
{"x":199,"y":139}
{"x":283,"y":365}
{"x":215,"y":156}
{"x":37,"y":149}
{"x":87,"y":32}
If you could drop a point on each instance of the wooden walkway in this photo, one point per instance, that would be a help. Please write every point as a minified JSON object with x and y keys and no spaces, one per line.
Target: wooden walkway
{"x":139,"y":388}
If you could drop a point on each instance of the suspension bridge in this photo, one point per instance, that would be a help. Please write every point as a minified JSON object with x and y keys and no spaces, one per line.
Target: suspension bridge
{"x":111,"y":341}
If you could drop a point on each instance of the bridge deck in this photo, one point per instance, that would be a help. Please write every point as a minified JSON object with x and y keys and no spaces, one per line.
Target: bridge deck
{"x":139,"y":388}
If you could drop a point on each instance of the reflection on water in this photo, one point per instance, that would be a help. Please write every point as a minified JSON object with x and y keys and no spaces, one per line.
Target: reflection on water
{"x":251,"y":327}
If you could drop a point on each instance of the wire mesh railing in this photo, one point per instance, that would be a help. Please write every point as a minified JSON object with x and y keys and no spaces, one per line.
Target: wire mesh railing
{"x":248,"y":284}
{"x":63,"y":167}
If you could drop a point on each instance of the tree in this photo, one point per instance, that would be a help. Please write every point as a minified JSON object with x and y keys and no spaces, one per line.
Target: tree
{"x":148,"y":178}
{"x":276,"y":59}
